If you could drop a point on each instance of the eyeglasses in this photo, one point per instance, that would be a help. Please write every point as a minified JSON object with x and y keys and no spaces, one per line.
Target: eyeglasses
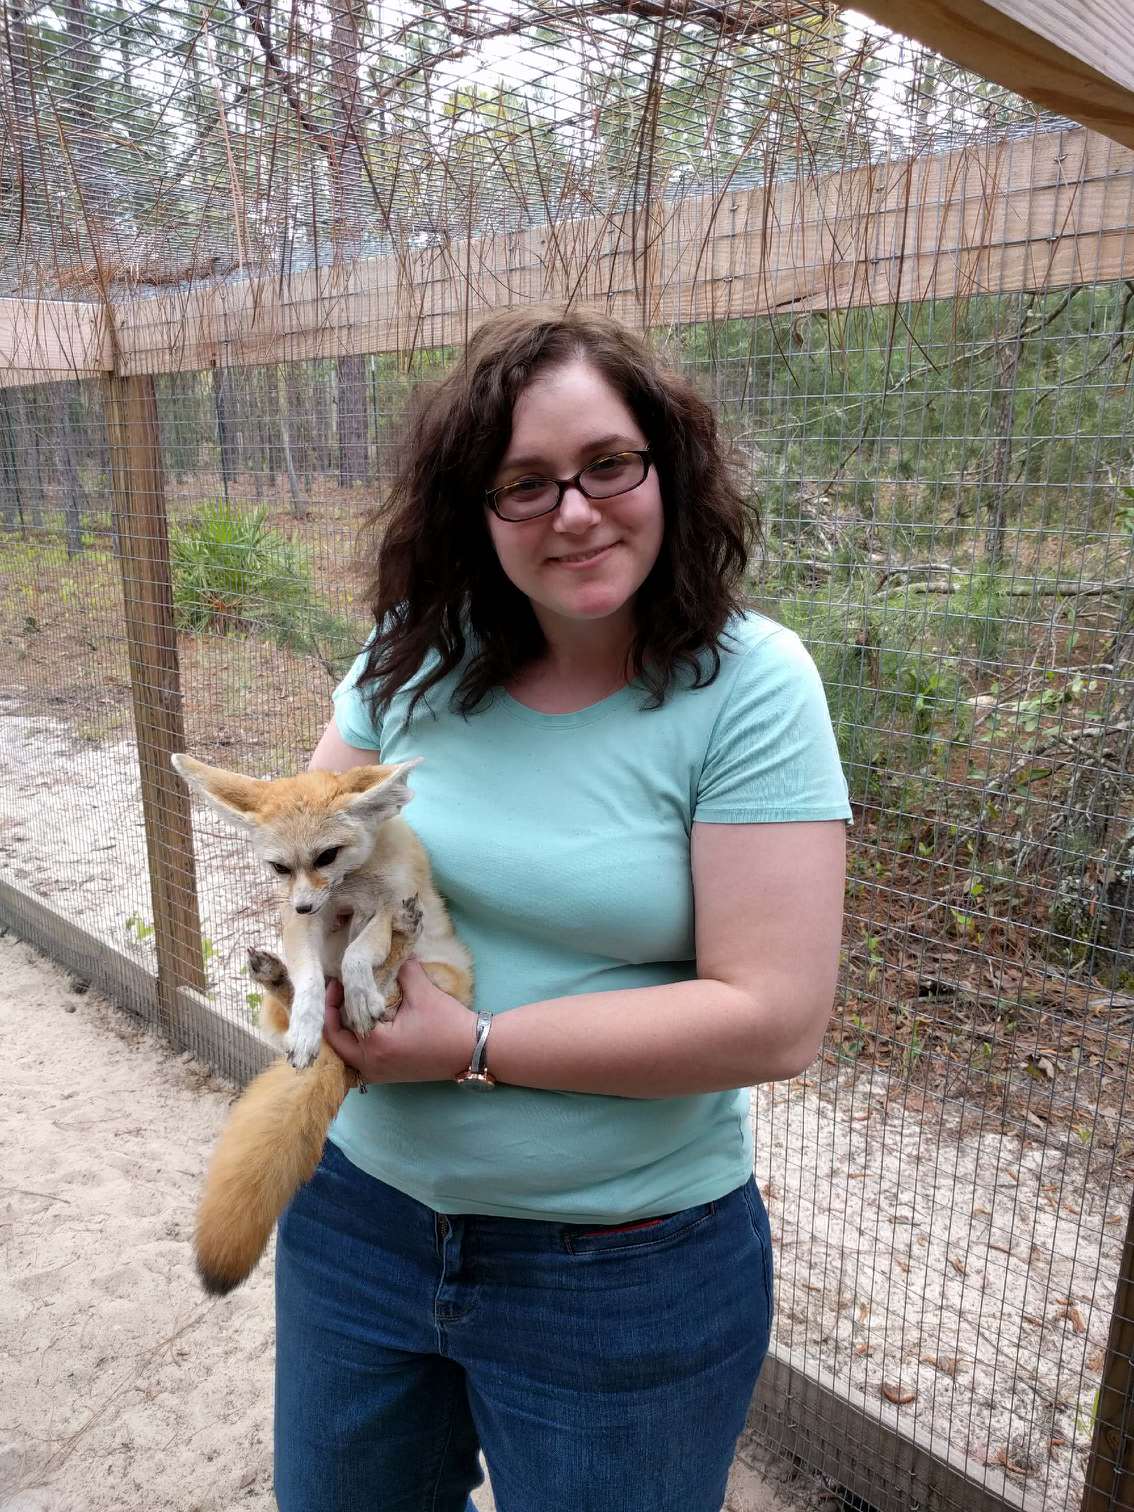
{"x":528,"y":498}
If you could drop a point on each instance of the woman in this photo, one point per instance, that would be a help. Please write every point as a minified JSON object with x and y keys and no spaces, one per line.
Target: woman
{"x":547,"y":1242}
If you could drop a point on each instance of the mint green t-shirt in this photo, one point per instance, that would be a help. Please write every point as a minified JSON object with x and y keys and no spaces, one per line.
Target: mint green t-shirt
{"x":561,"y":844}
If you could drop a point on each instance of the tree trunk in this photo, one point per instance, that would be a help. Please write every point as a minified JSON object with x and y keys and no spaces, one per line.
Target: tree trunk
{"x":353,"y":427}
{"x":298,"y":502}
{"x":1002,"y":415}
{"x":323,"y":410}
{"x":347,"y":125}
{"x":74,"y":498}
{"x":11,"y":515}
{"x":226,"y":438}
{"x":28,"y":450}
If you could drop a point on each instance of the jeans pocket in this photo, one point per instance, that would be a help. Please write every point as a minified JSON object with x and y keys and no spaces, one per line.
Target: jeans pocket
{"x":762,"y":1231}
{"x":648,"y":1233}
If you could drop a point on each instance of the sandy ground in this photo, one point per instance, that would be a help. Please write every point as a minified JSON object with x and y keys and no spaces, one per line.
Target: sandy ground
{"x":959,"y":1274}
{"x":123,"y":1388}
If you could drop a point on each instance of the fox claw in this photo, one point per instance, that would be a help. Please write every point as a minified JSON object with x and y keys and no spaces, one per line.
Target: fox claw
{"x":302,"y":1056}
{"x":409,"y":920}
{"x":266,"y":968}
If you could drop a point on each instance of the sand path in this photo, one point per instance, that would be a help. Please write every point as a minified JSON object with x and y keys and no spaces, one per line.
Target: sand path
{"x":122,"y":1387}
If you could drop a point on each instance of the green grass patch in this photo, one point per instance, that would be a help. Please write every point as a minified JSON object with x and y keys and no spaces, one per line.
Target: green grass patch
{"x":235,"y":574}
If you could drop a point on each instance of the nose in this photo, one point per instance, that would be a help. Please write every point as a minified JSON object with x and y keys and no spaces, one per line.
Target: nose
{"x":303,"y":908}
{"x":576,"y":511}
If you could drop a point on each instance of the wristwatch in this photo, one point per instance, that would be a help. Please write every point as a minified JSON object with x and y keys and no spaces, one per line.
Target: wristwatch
{"x":477,"y":1073}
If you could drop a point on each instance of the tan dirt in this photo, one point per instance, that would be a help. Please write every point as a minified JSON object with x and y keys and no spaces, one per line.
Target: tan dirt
{"x":123,"y":1387}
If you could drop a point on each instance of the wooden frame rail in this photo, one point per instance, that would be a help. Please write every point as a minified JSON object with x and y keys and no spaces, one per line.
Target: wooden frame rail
{"x":155,"y":685}
{"x":1037,"y":212}
{"x":860,"y":1444}
{"x":1075,"y":57}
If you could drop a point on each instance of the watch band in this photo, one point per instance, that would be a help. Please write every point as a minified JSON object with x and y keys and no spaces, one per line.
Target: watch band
{"x":477,"y":1073}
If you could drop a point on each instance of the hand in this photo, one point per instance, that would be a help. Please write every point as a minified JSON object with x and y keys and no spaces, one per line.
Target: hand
{"x":430,"y":1039}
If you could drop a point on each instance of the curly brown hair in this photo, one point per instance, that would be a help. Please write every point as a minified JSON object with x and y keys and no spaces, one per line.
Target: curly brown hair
{"x":433,"y":580}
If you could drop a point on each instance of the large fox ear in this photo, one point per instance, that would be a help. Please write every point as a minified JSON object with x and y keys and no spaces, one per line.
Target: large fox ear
{"x":232,"y":796}
{"x":381,"y":791}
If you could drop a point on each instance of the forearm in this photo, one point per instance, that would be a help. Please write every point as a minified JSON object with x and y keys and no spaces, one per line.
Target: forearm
{"x":668,"y":1041}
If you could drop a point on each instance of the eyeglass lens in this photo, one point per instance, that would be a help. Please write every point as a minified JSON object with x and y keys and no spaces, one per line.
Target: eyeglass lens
{"x":601,"y":480}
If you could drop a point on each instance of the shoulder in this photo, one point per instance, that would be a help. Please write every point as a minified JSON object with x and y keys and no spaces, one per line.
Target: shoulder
{"x":772,"y":753}
{"x":758,"y":655}
{"x":757,"y":639}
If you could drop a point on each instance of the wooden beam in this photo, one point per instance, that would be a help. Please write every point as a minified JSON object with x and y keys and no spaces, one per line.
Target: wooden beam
{"x":52,"y":341}
{"x":1110,"y":1470}
{"x":863,"y":1446}
{"x":1075,"y":57}
{"x":155,"y":686}
{"x":123,"y":980}
{"x":231,"y":1048}
{"x":1038,"y":212}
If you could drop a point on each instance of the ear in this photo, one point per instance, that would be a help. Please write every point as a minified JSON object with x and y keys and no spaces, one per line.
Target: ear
{"x":381,"y":791}
{"x":233,"y":797}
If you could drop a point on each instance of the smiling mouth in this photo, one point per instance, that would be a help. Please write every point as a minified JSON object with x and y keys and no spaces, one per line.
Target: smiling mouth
{"x":585,"y":556}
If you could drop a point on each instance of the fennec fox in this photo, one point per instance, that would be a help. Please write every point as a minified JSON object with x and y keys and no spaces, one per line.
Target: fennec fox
{"x":356,"y":899}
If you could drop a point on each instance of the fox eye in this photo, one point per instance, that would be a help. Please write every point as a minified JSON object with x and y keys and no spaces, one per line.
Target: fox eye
{"x":324,"y":858}
{"x":280,"y":869}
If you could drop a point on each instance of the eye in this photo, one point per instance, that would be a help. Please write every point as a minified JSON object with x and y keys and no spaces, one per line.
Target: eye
{"x":280,"y":869}
{"x":527,"y":486}
{"x":607,"y":464}
{"x":324,"y":858}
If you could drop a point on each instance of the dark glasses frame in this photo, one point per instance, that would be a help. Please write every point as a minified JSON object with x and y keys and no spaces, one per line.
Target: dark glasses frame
{"x":492,"y":495}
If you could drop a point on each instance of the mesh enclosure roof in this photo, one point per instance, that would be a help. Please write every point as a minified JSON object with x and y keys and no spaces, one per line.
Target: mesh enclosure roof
{"x":147,"y":145}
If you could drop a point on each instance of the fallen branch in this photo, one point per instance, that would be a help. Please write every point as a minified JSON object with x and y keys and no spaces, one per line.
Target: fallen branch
{"x":1036,"y":589}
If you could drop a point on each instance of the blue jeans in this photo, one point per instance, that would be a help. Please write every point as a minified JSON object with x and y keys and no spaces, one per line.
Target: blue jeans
{"x":600,"y":1370}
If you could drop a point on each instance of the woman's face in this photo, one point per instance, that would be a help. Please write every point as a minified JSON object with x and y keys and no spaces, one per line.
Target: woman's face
{"x":587,"y":559}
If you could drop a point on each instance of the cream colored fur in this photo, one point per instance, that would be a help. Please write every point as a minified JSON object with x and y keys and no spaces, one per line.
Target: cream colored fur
{"x":356,"y":898}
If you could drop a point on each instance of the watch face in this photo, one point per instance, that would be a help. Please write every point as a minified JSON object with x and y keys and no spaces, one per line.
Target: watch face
{"x":480,"y":1079}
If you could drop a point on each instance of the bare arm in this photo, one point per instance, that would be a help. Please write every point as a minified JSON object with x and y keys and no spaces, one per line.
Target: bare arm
{"x":769,"y":901}
{"x":332,"y":754}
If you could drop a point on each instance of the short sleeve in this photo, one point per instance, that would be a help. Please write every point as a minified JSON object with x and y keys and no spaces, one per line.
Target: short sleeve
{"x":353,"y":718}
{"x":772,"y":754}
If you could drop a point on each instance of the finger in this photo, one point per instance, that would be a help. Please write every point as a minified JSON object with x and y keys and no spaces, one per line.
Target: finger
{"x":332,"y":1018}
{"x":412,"y":974}
{"x":334,"y":993}
{"x":342,"y":1041}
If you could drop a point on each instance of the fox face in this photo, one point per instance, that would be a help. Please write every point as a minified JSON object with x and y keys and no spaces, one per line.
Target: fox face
{"x":310,"y":859}
{"x":313,"y":831}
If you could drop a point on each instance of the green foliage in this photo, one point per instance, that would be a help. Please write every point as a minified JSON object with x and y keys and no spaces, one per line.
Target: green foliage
{"x":974,"y":618}
{"x":900,"y":404}
{"x":234,"y":573}
{"x":140,"y":930}
{"x":889,"y":688}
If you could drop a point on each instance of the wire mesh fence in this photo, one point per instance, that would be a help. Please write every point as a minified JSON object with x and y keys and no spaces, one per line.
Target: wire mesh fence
{"x":242,"y":240}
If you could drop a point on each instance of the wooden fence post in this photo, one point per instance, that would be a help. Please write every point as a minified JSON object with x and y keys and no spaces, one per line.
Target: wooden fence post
{"x":143,"y":544}
{"x":1110,"y":1470}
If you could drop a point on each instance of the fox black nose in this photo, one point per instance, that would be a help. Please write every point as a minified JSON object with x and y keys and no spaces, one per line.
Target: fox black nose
{"x":303,"y":908}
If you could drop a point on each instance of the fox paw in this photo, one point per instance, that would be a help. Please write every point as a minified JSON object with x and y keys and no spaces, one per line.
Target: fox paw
{"x":266,"y":968}
{"x":305,"y":1032}
{"x":302,"y":1047}
{"x":408,"y":919}
{"x":364,"y":1005}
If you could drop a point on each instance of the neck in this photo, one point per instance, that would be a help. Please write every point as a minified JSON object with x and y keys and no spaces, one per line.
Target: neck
{"x":590,"y":650}
{"x":581,"y":664}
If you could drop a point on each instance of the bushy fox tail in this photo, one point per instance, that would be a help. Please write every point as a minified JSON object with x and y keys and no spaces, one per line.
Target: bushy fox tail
{"x":271,"y":1145}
